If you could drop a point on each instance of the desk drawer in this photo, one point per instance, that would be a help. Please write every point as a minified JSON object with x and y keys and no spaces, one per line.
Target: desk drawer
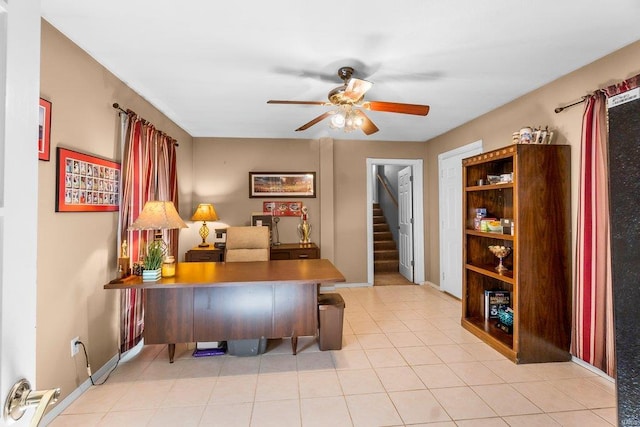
{"x":297,"y":253}
{"x":203,"y":256}
{"x":304,"y":254}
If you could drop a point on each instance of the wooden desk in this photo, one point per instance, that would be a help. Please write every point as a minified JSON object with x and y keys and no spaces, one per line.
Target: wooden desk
{"x":217,"y":301}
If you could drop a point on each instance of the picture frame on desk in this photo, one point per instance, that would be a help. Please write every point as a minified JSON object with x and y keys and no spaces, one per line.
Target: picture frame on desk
{"x":282,"y":184}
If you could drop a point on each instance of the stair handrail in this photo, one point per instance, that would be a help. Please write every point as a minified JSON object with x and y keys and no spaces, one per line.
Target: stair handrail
{"x":387,"y":189}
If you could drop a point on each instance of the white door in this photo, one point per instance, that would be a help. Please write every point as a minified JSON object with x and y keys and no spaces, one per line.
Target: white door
{"x":450,"y":212}
{"x":19,"y":92}
{"x":405,"y":223}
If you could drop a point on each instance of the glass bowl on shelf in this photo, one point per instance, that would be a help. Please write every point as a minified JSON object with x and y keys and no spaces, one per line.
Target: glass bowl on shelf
{"x":501,"y":252}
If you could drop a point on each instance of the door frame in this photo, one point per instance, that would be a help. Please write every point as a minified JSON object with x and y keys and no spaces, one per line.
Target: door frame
{"x":19,"y":93}
{"x":467,"y":150}
{"x":418,"y":213}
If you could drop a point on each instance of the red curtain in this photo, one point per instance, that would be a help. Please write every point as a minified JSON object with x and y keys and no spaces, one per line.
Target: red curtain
{"x":148,"y":173}
{"x":593,"y":329}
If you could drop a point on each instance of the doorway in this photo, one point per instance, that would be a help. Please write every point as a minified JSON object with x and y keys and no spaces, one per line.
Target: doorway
{"x":413,"y":251}
{"x":450,"y":213}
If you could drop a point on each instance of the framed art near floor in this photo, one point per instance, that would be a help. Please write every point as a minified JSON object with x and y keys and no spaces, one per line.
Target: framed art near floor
{"x":86,"y":183}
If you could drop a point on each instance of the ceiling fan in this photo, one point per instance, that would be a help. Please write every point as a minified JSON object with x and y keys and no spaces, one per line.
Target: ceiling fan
{"x":349,"y":100}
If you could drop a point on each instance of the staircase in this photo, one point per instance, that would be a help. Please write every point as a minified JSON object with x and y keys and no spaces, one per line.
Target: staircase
{"x":385,"y":252}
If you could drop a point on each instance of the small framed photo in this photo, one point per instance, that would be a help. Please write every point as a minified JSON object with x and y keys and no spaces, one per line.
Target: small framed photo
{"x":86,"y":183}
{"x":282,"y":184}
{"x":44,"y":130}
{"x":282,"y":208}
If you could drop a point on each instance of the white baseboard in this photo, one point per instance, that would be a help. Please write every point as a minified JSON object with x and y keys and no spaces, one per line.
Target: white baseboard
{"x":592,"y":369}
{"x":353,"y":285}
{"x":75,"y":394}
{"x":433,"y":285}
{"x":333,"y":287}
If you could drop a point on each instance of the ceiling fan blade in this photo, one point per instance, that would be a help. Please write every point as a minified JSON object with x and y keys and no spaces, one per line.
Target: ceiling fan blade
{"x":272,"y":101}
{"x":356,"y":88}
{"x":367,"y":126}
{"x":316,"y":120}
{"x":397,"y":107}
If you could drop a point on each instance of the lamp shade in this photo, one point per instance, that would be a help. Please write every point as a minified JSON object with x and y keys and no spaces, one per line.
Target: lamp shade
{"x":158,"y":215}
{"x":205,"y":212}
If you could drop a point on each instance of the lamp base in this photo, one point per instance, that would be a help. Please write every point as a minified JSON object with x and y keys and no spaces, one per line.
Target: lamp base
{"x":204,"y":245}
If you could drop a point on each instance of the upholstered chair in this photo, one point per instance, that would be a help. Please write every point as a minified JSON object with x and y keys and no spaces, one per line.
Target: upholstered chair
{"x":247,"y":244}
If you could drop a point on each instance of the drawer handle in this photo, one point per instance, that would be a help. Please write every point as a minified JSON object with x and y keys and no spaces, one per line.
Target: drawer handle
{"x":303,"y":256}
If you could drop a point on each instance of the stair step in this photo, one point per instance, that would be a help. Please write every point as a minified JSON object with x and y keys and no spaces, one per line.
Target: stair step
{"x":378,"y":212}
{"x":384,"y":244}
{"x":380,"y":227}
{"x":382,"y":235}
{"x":379,"y":219}
{"x":384,"y":266}
{"x":388,"y":254}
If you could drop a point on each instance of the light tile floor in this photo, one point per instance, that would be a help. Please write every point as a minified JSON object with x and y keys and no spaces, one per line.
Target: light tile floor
{"x":405,"y":361}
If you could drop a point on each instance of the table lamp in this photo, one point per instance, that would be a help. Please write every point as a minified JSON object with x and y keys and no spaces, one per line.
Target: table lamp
{"x":158,"y":215}
{"x":204,"y":212}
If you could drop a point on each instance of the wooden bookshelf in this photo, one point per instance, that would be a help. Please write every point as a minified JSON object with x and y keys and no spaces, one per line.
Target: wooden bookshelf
{"x":537,"y":199}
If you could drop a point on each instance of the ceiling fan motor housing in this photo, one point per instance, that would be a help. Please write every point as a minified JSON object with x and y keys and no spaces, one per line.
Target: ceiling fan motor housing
{"x":340,"y":95}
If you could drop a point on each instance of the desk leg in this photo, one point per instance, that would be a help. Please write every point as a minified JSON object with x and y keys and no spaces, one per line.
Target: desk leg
{"x":294,"y":344}
{"x":172,"y":351}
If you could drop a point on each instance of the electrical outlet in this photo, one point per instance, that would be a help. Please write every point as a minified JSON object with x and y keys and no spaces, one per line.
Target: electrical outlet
{"x":75,"y":347}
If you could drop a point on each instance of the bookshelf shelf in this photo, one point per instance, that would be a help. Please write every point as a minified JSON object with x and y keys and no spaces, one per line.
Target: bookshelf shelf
{"x":503,"y":342}
{"x":489,"y":234}
{"x":539,"y":276}
{"x":488,"y":270}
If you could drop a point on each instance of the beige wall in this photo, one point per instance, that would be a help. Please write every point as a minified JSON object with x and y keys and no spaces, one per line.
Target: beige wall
{"x":351,"y":198}
{"x":77,"y":251}
{"x":533,"y":109}
{"x":221,"y":167}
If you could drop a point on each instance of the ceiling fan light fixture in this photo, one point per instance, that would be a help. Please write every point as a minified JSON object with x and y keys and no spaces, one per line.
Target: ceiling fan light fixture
{"x":353,"y":120}
{"x":338,"y":120}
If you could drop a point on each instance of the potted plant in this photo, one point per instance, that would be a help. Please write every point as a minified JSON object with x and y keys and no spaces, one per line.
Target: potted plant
{"x":153,"y":261}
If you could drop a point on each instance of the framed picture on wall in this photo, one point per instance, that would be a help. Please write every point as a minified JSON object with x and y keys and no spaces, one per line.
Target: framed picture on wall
{"x":282,"y":184}
{"x":44,"y":130}
{"x":282,"y":208}
{"x":86,"y":183}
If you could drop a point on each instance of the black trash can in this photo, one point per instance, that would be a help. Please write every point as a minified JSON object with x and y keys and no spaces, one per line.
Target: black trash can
{"x":331,"y":314}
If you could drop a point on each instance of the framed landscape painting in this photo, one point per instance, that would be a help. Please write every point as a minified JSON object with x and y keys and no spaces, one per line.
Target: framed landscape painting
{"x":282,"y":184}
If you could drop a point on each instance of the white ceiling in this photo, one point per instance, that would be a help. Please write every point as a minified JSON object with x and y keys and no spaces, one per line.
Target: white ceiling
{"x":211,"y":66}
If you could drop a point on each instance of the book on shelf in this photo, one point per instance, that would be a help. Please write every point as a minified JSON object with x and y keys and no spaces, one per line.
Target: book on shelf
{"x":494,"y":301}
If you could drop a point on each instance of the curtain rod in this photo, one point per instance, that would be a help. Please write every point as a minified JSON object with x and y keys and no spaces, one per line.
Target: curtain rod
{"x":117,"y":107}
{"x":561,"y":109}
